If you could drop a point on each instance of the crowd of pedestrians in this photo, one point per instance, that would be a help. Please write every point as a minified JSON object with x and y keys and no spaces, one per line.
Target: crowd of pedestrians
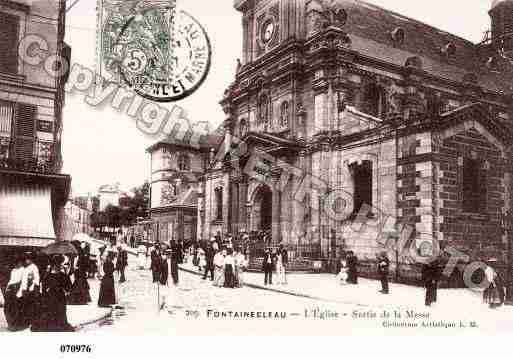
{"x":220,"y":261}
{"x":37,"y":299}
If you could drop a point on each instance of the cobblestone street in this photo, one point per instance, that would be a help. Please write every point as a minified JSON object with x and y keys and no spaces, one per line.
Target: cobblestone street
{"x":191,"y":302}
{"x":196,"y":308}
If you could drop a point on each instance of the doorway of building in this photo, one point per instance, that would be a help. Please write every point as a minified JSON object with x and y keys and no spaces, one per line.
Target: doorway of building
{"x":263,"y":205}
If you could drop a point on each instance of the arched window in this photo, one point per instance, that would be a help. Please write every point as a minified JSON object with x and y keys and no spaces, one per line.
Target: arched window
{"x":184,"y":163}
{"x":243,"y":128}
{"x":218,"y":192}
{"x":284,"y":114}
{"x":374,"y":101}
{"x":263,"y":109}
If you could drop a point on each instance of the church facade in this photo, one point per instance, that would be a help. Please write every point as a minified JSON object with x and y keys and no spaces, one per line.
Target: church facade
{"x":347,"y":123}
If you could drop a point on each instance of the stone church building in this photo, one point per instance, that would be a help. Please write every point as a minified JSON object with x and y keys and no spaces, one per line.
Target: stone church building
{"x":407,"y":121}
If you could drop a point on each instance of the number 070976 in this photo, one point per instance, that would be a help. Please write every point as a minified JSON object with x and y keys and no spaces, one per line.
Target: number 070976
{"x":82,"y":348}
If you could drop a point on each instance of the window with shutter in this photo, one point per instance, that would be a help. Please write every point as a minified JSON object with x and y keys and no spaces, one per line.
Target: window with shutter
{"x":9,"y":43}
{"x":6,"y":118}
{"x":24,"y":132}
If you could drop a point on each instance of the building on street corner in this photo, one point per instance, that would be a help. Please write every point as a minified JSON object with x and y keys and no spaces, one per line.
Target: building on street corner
{"x":77,"y":218}
{"x":176,"y":174}
{"x":403,"y":117}
{"x":33,"y":191}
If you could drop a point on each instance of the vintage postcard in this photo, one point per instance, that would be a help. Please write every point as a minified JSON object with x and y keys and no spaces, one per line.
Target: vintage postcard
{"x":255,"y":167}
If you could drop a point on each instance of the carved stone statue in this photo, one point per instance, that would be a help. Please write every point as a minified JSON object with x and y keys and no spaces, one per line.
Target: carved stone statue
{"x":322,"y":14}
{"x":334,"y":16}
{"x":239,"y":65}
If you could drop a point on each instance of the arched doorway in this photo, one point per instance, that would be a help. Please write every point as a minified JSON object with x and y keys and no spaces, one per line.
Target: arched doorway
{"x":263,"y":208}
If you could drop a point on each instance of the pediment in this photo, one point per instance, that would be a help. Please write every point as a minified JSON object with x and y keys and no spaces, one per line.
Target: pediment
{"x":354,"y":121}
{"x":476,"y":117}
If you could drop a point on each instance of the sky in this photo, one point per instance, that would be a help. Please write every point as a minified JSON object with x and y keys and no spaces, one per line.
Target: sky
{"x":102,"y":146}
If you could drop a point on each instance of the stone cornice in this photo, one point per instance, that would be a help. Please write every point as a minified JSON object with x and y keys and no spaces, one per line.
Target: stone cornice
{"x":15,"y":5}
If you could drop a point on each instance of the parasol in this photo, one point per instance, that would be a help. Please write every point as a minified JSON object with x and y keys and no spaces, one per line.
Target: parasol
{"x":64,"y":248}
{"x":81,"y":237}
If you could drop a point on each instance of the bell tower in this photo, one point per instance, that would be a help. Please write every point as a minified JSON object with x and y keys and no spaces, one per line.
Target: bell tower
{"x":267,"y":24}
{"x":502,"y":26}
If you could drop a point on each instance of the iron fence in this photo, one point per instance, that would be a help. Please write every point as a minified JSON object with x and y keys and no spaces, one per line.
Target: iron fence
{"x":39,"y":157}
{"x":312,"y":251}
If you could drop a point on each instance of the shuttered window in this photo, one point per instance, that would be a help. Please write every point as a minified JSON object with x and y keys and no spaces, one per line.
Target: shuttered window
{"x":6,"y":118}
{"x":25,"y":132}
{"x":9,"y":25}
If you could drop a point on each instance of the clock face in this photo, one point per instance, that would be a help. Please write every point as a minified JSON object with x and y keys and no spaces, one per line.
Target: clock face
{"x":268,"y":32}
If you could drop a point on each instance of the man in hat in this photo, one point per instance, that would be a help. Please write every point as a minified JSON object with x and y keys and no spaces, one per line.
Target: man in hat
{"x":209,"y":257}
{"x":176,"y":255}
{"x":122,"y":263}
{"x":268,"y":266}
{"x":218,"y":238}
{"x":155,"y":262}
{"x":383,"y":270}
{"x":163,"y":278}
{"x":352,"y":264}
{"x":430,"y":276}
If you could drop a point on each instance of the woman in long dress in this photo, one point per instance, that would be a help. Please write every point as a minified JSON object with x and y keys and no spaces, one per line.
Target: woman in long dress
{"x":141,"y":257}
{"x":240,"y":267}
{"x":56,"y":284}
{"x":107,"y":295}
{"x":229,"y":275}
{"x":80,"y":291}
{"x":343,"y":275}
{"x":280,"y":269}
{"x":219,"y":268}
{"x":13,"y":303}
{"x":494,"y":294}
{"x":100,"y":258}
{"x":202,"y":260}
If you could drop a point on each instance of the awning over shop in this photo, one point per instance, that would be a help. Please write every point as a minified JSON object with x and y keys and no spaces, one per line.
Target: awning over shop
{"x":26,"y":216}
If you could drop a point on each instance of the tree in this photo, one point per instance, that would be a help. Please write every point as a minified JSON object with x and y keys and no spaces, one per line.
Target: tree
{"x":113,"y":216}
{"x":131,"y":208}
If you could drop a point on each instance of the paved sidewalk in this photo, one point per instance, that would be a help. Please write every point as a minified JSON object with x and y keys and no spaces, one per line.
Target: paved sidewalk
{"x":78,"y":315}
{"x":366,"y":294}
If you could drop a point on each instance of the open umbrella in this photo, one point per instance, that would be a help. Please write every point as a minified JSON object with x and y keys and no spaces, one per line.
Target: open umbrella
{"x":64,"y":248}
{"x":81,"y":237}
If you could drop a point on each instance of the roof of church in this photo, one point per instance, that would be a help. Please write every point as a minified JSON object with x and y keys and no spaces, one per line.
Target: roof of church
{"x":370,"y":28}
{"x":206,"y":142}
{"x":497,"y":2}
{"x":501,"y":129}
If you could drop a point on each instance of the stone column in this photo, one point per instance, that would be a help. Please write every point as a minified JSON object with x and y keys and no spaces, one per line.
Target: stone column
{"x":298,"y":203}
{"x":243,"y":225}
{"x":235,"y":206}
{"x":412,"y":102}
{"x":226,"y":202}
{"x":276,"y":215}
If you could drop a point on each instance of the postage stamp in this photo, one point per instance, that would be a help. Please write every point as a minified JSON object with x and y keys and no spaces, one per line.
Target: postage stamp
{"x":162,"y":53}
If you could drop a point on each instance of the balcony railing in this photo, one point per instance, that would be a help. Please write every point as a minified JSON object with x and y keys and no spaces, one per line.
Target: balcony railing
{"x":43,"y":159}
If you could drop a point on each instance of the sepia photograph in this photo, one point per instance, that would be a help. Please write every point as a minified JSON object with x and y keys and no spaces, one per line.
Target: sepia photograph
{"x":255,"y":167}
